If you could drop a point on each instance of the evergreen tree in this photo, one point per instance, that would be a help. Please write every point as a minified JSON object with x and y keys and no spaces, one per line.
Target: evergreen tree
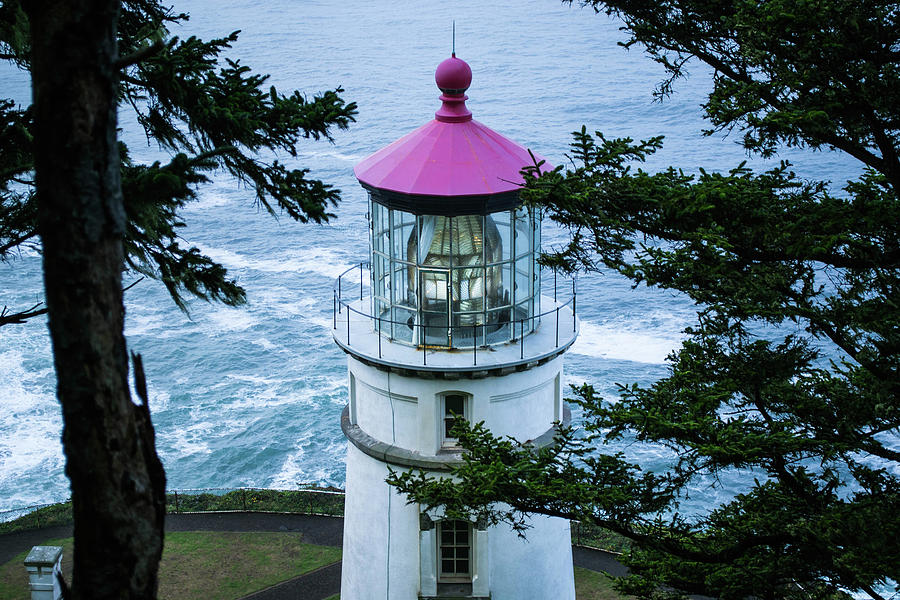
{"x":792,"y":372}
{"x":67,"y":184}
{"x":210,"y":112}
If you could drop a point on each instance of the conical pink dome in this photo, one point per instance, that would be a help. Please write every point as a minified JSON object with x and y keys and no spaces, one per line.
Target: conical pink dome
{"x":453,"y":155}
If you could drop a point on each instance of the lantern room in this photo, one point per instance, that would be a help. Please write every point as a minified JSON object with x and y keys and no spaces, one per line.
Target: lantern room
{"x":453,"y":252}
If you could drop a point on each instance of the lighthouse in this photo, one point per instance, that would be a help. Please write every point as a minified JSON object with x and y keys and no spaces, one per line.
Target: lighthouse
{"x":449,"y":318}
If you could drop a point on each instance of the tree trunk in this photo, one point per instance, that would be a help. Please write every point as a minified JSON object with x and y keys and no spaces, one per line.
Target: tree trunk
{"x":118,"y":484}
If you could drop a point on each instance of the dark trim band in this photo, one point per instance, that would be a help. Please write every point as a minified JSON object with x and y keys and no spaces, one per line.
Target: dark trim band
{"x":447,"y":206}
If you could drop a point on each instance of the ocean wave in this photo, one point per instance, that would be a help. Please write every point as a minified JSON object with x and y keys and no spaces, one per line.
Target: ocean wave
{"x":328,"y":262}
{"x":208,"y":199}
{"x":265,"y":344}
{"x":227,"y":319}
{"x":309,"y":462}
{"x":636,"y":341}
{"x":352,"y":158}
{"x":30,"y":446}
{"x":188,"y":439}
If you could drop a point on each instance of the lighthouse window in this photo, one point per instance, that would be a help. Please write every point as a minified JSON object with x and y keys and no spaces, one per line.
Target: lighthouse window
{"x":454,"y":281}
{"x":455,"y":539}
{"x":454,"y":407}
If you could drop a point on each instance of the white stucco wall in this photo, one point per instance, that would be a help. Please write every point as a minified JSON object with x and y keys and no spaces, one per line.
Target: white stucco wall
{"x":535,"y":568}
{"x":382,"y":537}
{"x":406,"y":411}
{"x":523,"y":413}
{"x":382,"y":558}
{"x":381,"y":533}
{"x":384,"y":414}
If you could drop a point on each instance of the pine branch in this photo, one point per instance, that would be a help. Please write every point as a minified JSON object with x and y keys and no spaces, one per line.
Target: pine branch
{"x":17,"y":318}
{"x":14,"y":242}
{"x":138,"y":56}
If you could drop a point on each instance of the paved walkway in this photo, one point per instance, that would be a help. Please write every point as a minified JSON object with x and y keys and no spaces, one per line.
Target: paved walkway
{"x":322,"y":530}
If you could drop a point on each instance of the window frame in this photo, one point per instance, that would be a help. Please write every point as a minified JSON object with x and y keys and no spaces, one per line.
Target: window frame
{"x":456,"y":576}
{"x":447,"y":442}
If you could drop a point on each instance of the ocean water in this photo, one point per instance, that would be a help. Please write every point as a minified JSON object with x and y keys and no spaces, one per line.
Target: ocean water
{"x":252,"y":396}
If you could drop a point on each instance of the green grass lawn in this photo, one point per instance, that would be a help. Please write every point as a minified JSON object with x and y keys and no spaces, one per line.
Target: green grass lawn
{"x":590,"y":585}
{"x":229,"y":565}
{"x":205,"y":564}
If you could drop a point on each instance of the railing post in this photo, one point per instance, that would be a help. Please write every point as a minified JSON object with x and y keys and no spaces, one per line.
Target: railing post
{"x":360,"y":282}
{"x":521,"y":338}
{"x":378,"y":333}
{"x":334,"y":309}
{"x":557,"y":327}
{"x":424,"y":357}
{"x":474,"y":345}
{"x":348,"y":325}
{"x":340,"y":296}
{"x":573,"y":314}
{"x":554,"y":285}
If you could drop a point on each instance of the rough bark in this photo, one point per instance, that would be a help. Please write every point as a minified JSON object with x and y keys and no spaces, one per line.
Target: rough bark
{"x":117,"y":480}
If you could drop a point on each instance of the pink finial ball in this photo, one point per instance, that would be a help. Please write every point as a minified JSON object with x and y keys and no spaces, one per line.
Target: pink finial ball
{"x":453,"y":76}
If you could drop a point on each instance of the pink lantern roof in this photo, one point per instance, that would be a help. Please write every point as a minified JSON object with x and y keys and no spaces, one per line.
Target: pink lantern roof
{"x":453,"y":155}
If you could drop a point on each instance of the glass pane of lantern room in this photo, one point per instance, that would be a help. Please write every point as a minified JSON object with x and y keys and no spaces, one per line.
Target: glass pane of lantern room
{"x":404,"y":225}
{"x":501,"y":296}
{"x":381,"y":274}
{"x":432,"y":241}
{"x":381,"y":230}
{"x":434,"y":293}
{"x":523,"y":232}
{"x":522,"y":286}
{"x":501,"y":221}
{"x":467,"y":303}
{"x":403,"y":315}
{"x":403,"y":285}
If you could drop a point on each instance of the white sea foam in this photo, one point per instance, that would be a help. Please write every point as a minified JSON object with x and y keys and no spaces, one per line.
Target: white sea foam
{"x":143,"y":322}
{"x":328,"y":262}
{"x":286,"y":301}
{"x":30,"y":446}
{"x":207,"y":200}
{"x":325,"y":468}
{"x":265,"y":344}
{"x":189,"y":439}
{"x":229,"y":258}
{"x":227,"y":319}
{"x":323,"y":321}
{"x":333,"y":387}
{"x":629,"y":340}
{"x":343,"y":156}
{"x":257,"y":392}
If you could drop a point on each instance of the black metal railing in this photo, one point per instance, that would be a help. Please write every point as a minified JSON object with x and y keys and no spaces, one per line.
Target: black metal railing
{"x":419,"y":332}
{"x":308,"y":500}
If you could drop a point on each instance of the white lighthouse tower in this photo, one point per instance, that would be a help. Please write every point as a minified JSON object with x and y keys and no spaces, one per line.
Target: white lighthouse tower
{"x":448,"y":319}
